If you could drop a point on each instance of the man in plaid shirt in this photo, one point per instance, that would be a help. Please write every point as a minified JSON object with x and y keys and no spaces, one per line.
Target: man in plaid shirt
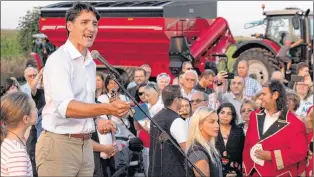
{"x":252,"y":86}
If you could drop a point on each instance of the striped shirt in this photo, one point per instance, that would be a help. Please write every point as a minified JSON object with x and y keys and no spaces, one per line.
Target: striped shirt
{"x":14,"y":159}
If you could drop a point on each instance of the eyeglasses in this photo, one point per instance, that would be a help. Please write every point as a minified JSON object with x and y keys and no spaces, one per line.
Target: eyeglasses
{"x":189,"y":68}
{"x":32,"y":75}
{"x":246,"y":110}
{"x":302,"y":84}
{"x":197,"y":101}
{"x":140,"y":93}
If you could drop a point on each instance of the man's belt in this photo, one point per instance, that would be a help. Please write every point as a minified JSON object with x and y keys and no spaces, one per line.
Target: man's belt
{"x":82,"y":136}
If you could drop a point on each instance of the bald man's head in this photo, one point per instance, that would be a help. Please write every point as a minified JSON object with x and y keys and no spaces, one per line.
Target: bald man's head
{"x":243,"y":67}
{"x":277,"y":75}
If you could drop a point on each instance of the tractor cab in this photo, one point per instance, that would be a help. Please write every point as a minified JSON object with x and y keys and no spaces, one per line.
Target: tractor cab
{"x":290,"y":24}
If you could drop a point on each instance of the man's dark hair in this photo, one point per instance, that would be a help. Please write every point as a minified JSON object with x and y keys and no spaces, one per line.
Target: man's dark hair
{"x":300,"y":66}
{"x":76,"y":9}
{"x":170,"y":93}
{"x":212,"y":66}
{"x":208,"y":72}
{"x":140,"y":69}
{"x":276,"y":86}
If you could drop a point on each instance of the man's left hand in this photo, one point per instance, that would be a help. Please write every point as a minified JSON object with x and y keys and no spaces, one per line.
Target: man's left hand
{"x":105,"y":126}
{"x":263,"y":155}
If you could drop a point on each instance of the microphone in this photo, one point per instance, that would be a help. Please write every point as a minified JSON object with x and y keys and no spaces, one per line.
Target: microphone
{"x":96,"y":54}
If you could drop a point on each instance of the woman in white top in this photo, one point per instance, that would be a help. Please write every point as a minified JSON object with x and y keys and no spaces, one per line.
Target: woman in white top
{"x":155,"y":103}
{"x":110,"y":94}
{"x":18,"y":112}
{"x":305,"y":91}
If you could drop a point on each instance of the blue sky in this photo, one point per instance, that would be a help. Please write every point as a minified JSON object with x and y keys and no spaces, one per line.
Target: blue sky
{"x":237,"y":13}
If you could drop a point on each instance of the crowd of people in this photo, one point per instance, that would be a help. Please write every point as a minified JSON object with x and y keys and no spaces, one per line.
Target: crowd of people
{"x":65,"y":120}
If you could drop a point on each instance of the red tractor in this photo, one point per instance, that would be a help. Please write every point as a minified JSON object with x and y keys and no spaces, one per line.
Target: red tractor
{"x":132,"y":33}
{"x":289,"y":24}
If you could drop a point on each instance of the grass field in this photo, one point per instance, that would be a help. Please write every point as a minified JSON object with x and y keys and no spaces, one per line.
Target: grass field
{"x":13,"y":60}
{"x":9,"y":44}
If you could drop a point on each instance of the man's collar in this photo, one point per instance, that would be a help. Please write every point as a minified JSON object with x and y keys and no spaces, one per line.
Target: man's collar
{"x":75,"y":54}
{"x":187,"y":93}
{"x":234,"y":97}
{"x":277,"y":114}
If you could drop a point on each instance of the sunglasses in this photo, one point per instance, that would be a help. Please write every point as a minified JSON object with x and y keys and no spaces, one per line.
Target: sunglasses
{"x":140,"y":93}
{"x":32,"y":76}
{"x":196,"y":101}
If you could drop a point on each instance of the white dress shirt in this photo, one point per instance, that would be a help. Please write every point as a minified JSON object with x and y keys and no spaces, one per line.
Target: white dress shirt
{"x":270,"y":120}
{"x":187,"y":95}
{"x":154,"y":109}
{"x":68,"y":76}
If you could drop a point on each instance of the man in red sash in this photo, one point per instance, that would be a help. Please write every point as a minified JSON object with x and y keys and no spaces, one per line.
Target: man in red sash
{"x":276,"y":139}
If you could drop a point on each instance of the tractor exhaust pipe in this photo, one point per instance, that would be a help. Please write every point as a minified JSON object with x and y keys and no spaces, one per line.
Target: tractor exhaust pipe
{"x":179,"y":52}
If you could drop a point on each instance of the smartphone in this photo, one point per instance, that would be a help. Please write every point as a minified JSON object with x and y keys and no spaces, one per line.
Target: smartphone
{"x":113,"y":94}
{"x":230,"y":76}
{"x":297,"y":78}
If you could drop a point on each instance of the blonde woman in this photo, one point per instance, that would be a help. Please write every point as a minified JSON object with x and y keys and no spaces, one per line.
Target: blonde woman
{"x":201,"y":148}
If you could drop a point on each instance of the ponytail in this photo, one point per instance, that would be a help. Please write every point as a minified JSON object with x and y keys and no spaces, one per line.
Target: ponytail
{"x":3,"y":133}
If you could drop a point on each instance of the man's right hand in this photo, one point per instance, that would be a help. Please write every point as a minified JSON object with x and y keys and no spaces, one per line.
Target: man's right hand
{"x":222,"y":75}
{"x":119,"y":108}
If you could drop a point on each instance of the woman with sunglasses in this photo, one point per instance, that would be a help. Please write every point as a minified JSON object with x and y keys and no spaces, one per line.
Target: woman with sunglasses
{"x":246,"y":108}
{"x":230,"y":140}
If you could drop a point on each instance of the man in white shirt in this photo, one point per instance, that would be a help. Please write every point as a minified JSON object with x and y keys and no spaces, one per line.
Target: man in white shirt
{"x":190,"y":78}
{"x":167,"y":160}
{"x":64,"y":148}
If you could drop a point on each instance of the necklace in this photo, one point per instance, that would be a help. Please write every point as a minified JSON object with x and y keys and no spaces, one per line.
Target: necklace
{"x":17,"y":137}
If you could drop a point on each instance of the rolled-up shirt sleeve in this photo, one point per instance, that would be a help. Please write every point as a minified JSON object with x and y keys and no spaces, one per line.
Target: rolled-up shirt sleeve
{"x":57,"y":83}
{"x":178,"y":130}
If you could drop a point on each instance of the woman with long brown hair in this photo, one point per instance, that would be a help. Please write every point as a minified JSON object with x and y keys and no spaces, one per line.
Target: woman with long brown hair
{"x":18,"y":112}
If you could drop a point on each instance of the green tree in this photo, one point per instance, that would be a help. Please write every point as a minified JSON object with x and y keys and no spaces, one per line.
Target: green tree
{"x":28,"y":25}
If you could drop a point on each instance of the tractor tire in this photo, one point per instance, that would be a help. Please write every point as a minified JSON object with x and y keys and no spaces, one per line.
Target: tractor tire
{"x":262,"y":63}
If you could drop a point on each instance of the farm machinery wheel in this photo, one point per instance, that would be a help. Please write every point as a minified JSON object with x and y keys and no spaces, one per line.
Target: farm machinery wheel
{"x":261,"y":63}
